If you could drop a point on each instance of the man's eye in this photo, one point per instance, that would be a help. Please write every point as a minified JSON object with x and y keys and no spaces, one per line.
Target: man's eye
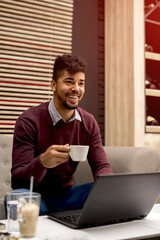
{"x":69,"y":82}
{"x":81,"y":83}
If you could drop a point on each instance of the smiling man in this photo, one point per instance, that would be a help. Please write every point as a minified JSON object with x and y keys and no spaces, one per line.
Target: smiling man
{"x":42,"y":137}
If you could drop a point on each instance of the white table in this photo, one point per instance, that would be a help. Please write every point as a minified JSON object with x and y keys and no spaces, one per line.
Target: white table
{"x":130,"y":230}
{"x":150,"y":226}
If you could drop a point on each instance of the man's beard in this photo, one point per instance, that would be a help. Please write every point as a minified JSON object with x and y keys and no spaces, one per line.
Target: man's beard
{"x":69,"y":107}
{"x":66,"y":105}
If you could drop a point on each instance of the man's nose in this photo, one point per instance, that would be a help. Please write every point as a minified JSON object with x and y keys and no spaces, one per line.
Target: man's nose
{"x":75,"y":87}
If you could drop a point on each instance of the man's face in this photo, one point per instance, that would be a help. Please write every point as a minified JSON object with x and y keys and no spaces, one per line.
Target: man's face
{"x":68,"y":90}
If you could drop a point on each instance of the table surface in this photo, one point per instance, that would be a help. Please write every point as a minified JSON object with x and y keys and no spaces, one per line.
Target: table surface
{"x":138,"y":229}
{"x":49,"y":230}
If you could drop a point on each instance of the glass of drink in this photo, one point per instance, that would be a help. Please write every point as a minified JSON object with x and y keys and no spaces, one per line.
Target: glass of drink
{"x":12,"y":198}
{"x":28,"y":212}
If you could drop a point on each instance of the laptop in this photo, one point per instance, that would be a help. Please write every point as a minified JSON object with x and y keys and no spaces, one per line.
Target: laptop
{"x":114,"y":198}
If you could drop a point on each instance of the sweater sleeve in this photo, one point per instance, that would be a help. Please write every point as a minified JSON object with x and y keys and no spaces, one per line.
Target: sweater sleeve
{"x":25,"y":161}
{"x":97,"y":157}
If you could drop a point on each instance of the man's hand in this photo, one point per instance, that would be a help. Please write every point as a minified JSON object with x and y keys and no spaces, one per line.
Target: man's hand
{"x":55,"y":155}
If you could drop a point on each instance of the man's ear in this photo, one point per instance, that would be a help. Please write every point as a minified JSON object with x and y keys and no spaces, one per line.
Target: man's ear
{"x":53,"y":85}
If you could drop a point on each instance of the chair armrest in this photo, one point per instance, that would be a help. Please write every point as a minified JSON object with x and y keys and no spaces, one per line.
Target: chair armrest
{"x":133,"y":159}
{"x":122,"y":160}
{"x":2,"y":210}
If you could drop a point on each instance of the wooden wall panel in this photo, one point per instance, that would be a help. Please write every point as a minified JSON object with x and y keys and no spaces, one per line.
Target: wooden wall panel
{"x":124,"y":73}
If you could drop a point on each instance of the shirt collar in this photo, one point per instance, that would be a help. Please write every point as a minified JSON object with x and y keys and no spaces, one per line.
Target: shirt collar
{"x":56,"y":117}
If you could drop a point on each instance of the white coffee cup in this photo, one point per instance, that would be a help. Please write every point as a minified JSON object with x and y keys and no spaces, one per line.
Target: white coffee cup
{"x":78,"y":152}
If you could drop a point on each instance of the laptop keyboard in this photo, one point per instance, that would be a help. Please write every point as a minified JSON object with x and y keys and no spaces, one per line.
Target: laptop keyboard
{"x":70,"y":219}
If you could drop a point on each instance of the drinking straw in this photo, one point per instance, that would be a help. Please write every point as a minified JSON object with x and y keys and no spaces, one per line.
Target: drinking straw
{"x":31,"y":187}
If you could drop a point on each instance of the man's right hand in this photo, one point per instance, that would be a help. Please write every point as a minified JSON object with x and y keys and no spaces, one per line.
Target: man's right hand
{"x":55,"y":155}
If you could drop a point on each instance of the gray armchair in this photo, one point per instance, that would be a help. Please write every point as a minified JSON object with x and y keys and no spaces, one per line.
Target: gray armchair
{"x":5,"y":166}
{"x":122,"y":160}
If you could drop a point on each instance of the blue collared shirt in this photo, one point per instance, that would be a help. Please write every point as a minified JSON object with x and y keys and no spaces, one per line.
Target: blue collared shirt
{"x":56,"y":117}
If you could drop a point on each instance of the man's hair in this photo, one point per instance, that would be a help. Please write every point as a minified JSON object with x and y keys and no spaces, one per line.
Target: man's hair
{"x":69,"y":62}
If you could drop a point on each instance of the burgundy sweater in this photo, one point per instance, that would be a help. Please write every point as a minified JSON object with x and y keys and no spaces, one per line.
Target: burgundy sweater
{"x":34,"y":133}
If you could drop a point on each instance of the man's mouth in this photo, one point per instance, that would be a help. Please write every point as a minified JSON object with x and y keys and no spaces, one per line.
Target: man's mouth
{"x":73,"y":98}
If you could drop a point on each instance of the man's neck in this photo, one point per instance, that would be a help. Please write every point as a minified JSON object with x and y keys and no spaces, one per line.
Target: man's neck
{"x":65,"y":113}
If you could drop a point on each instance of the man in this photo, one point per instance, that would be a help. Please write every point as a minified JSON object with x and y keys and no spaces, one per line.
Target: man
{"x":42,"y":137}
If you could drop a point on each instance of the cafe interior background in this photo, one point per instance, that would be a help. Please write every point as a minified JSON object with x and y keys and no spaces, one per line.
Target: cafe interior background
{"x":120,"y":41}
